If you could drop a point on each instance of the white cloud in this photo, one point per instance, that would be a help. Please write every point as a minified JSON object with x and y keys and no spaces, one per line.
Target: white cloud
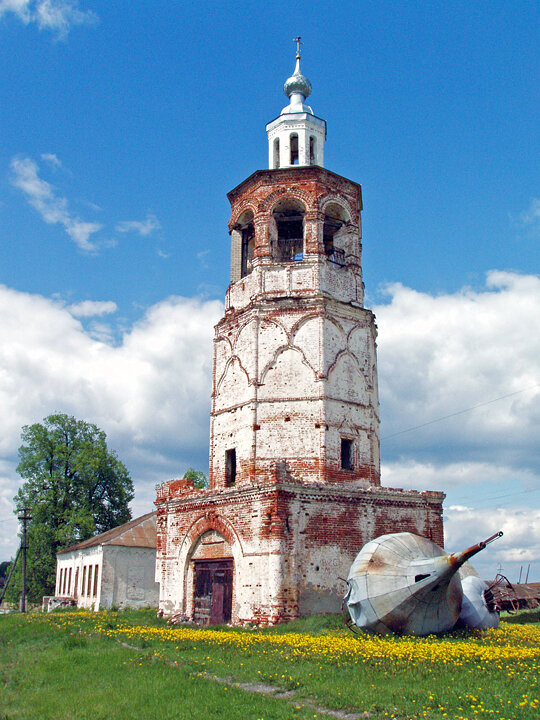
{"x":144,"y":228}
{"x":201,"y":257}
{"x":90,"y":308}
{"x":52,"y":160}
{"x":150,"y":393}
{"x":58,"y":16}
{"x":53,"y":208}
{"x":409,"y":473}
{"x":519,"y":546}
{"x":531,"y":216}
{"x":441,"y":355}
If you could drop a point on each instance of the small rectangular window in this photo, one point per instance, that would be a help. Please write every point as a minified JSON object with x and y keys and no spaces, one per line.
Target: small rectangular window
{"x":69,"y":583}
{"x":60,"y":582}
{"x":83,"y":587}
{"x":230,"y":467}
{"x":89,"y":585}
{"x":96,"y":572}
{"x":346,"y":454}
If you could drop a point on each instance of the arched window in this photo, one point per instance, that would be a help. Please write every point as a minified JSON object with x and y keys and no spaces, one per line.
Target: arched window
{"x":247,"y":229}
{"x":294,"y":149}
{"x":312,"y":146}
{"x":334,"y":218}
{"x":276,"y":153}
{"x":288,"y":215}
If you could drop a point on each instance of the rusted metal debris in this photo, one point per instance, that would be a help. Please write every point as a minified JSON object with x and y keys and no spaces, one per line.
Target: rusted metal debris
{"x":512,"y":597}
{"x":407,"y":585}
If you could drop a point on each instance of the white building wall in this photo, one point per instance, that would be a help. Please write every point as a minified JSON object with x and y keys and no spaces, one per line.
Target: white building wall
{"x":128,"y":577}
{"x":83,"y":564}
{"x":125,"y":576}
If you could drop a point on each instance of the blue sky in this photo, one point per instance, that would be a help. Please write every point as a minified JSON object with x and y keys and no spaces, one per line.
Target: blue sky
{"x":123,"y":127}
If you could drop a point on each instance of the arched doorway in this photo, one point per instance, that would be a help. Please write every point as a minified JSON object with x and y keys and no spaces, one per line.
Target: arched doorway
{"x":213,"y":571}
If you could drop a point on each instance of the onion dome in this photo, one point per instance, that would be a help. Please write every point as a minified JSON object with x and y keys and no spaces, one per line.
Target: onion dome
{"x":297,"y":83}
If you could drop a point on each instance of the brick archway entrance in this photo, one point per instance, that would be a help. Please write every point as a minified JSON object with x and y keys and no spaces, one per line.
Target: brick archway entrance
{"x":212,"y":573}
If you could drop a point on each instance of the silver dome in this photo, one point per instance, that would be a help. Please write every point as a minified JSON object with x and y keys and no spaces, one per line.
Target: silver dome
{"x":297,"y":83}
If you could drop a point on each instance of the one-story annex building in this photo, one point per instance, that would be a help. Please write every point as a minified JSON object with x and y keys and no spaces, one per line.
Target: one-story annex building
{"x":116,"y":568}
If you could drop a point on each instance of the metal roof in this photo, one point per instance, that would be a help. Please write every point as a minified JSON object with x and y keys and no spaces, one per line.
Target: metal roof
{"x":140,"y":532}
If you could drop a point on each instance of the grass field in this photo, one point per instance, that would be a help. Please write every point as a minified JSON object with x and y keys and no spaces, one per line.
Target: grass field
{"x":131,"y":665}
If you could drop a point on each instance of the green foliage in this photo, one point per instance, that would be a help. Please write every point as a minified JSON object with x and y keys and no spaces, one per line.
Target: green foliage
{"x":523,"y":616}
{"x":75,"y":487}
{"x":4,"y":571}
{"x":199,"y":478}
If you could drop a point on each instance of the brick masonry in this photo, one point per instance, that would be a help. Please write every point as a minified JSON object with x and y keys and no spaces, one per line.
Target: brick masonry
{"x":294,"y":380}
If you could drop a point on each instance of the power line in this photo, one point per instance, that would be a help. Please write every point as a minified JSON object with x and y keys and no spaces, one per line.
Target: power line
{"x":498,"y":497}
{"x":460,"y":412}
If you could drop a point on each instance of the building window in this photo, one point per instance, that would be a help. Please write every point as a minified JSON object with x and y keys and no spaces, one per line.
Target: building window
{"x":312,"y":150}
{"x":96,"y":573}
{"x":65,"y":581}
{"x":69,"y":583}
{"x":294,"y":149}
{"x":276,"y":153}
{"x":89,"y":584}
{"x":346,"y":454}
{"x":83,"y":586}
{"x":230,"y":467}
{"x":60,"y":581}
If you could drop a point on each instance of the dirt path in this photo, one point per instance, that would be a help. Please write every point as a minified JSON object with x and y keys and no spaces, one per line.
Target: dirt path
{"x":273,"y":690}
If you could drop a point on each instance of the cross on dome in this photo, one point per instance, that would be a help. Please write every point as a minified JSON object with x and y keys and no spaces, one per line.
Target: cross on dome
{"x":297,"y":87}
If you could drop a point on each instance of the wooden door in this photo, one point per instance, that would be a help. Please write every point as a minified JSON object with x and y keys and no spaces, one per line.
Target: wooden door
{"x":212,"y":595}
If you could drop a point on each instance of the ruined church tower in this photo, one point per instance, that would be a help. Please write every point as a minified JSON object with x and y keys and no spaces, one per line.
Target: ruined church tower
{"x":295,"y":372}
{"x":294,"y":487}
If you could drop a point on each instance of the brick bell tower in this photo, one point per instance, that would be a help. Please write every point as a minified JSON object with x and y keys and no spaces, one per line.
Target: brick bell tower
{"x":295,"y":372}
{"x":294,"y":439}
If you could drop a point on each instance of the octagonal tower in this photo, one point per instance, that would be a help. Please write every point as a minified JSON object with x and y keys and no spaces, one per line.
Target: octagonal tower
{"x":295,"y":372}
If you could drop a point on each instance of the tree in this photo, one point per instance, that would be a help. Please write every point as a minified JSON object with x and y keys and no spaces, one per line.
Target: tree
{"x":75,"y":487}
{"x":4,"y":569}
{"x":200,"y":481}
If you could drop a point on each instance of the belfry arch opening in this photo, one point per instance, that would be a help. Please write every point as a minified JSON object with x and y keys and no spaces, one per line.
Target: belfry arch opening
{"x":312,"y":150}
{"x":276,"y":153}
{"x":288,"y":216}
{"x":246,"y":228}
{"x":335,"y":217}
{"x":295,"y":156}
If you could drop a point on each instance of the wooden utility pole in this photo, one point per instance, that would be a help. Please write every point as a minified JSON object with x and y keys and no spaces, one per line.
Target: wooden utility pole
{"x":24,"y":517}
